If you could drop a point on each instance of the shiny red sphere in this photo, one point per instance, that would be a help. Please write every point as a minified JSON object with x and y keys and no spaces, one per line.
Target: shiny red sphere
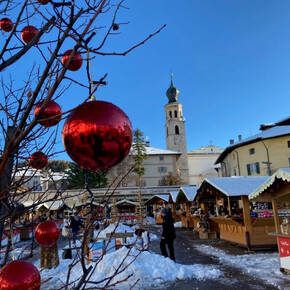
{"x":38,"y":160}
{"x":19,"y":275}
{"x":28,"y":33}
{"x":97,"y":135}
{"x":76,"y":62}
{"x":6,"y":24}
{"x":47,"y":233}
{"x":50,"y":116}
{"x":43,"y":2}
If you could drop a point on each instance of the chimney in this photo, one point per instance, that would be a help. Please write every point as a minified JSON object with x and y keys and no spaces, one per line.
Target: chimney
{"x":147,"y":144}
{"x":231,"y":141}
{"x":240,"y":137}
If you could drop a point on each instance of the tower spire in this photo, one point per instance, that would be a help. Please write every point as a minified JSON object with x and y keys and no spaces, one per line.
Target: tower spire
{"x":172,"y":92}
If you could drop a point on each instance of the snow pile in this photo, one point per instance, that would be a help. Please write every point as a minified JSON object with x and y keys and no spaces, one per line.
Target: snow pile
{"x":178,"y":224}
{"x":149,"y":221}
{"x":150,"y":269}
{"x":262,"y":266}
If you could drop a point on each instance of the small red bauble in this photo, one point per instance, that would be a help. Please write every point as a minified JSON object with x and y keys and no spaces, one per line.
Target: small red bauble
{"x":50,"y":116}
{"x":97,"y":135}
{"x":28,"y":33}
{"x":19,"y":275}
{"x":47,"y":233}
{"x":76,"y":62}
{"x":38,"y":160}
{"x":6,"y":24}
{"x":43,"y":2}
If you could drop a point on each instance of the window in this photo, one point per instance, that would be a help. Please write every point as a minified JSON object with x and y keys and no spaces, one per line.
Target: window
{"x":175,"y":114}
{"x":162,"y":169}
{"x":167,"y":131}
{"x":253,"y":168}
{"x":170,"y":114}
{"x":252,"y":151}
{"x":235,"y":172}
{"x":176,"y":130}
{"x":124,"y":183}
{"x":143,"y":183}
{"x":289,"y":161}
{"x":161,"y":158}
{"x":288,"y":144}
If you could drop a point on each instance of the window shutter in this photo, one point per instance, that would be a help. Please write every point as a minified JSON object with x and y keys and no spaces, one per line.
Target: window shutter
{"x":249,"y":169}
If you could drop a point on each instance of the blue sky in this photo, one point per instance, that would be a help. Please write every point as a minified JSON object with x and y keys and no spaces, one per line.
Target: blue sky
{"x":230,"y":59}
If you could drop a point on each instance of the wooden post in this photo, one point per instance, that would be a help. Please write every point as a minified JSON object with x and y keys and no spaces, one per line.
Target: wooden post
{"x":246,"y":213}
{"x":49,"y":257}
{"x":229,"y":206}
{"x":276,"y":217}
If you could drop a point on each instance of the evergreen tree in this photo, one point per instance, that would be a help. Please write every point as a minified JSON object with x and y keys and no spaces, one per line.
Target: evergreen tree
{"x":139,"y":153}
{"x":171,"y":179}
{"x":76,"y":178}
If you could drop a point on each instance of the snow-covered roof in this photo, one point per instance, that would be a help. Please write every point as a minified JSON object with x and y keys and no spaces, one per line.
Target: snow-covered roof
{"x":267,"y":134}
{"x":53,"y":205}
{"x":282,"y":173}
{"x":189,"y":192}
{"x":124,"y":201}
{"x":236,"y":185}
{"x":164,"y":197}
{"x":174,"y":194}
{"x":157,"y":151}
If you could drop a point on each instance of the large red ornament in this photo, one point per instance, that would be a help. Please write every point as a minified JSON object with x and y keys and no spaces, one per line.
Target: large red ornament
{"x":19,"y":275}
{"x":97,"y":135}
{"x":38,"y":160}
{"x":47,"y":233}
{"x":6,"y":24}
{"x":76,"y":62}
{"x":43,"y":2}
{"x":50,"y":116}
{"x":28,"y":33}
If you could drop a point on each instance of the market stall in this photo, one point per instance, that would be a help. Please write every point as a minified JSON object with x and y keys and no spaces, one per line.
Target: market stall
{"x":125,"y":211}
{"x":224,"y":201}
{"x":276,"y":190}
{"x":172,"y":200}
{"x":157,"y":203}
{"x":184,"y":203}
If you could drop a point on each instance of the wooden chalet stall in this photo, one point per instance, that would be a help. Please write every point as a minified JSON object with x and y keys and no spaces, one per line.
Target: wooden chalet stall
{"x":53,"y":209}
{"x":172,"y":200}
{"x":157,"y":202}
{"x":276,"y":191}
{"x":125,"y":211}
{"x":225,"y":201}
{"x":184,"y":203}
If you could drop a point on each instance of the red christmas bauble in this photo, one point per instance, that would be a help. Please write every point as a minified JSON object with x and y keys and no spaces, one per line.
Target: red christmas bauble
{"x":28,"y":33}
{"x":38,"y":160}
{"x":6,"y":24}
{"x":47,"y":233}
{"x":19,"y":275}
{"x":97,"y":135}
{"x":50,"y":116}
{"x":43,"y":2}
{"x":76,"y":62}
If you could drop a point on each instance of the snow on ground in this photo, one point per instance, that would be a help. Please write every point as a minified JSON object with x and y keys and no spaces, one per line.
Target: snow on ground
{"x":262,"y":266}
{"x":150,"y":269}
{"x":178,"y":224}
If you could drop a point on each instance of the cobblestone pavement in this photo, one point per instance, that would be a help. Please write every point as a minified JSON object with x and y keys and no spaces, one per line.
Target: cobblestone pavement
{"x":185,"y":253}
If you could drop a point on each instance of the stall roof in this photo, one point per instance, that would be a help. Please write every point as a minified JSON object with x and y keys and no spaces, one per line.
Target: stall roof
{"x":164,"y":197}
{"x":174,"y":194}
{"x":282,"y":173}
{"x":124,"y":201}
{"x":236,"y":185}
{"x":53,"y":205}
{"x":189,"y":192}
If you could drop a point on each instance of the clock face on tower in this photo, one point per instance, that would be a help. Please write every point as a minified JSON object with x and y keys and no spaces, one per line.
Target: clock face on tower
{"x":178,"y":140}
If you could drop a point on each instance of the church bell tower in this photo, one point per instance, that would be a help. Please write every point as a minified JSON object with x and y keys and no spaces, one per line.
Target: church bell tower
{"x":175,"y":130}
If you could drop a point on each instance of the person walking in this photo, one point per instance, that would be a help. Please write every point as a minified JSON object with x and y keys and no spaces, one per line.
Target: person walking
{"x":75,"y":225}
{"x":168,"y":234}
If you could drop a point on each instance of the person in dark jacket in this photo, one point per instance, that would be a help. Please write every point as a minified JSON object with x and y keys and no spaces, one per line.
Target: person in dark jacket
{"x":75,"y":225}
{"x":168,"y":234}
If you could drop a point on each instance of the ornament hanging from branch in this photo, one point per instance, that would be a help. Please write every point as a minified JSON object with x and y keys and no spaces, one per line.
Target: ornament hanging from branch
{"x":28,"y":33}
{"x":19,"y":275}
{"x":76,"y":62}
{"x":50,"y":116}
{"x":47,"y":233}
{"x":38,"y":160}
{"x":6,"y":24}
{"x":97,"y":135}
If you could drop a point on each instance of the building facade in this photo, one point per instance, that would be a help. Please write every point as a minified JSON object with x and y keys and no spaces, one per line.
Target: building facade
{"x":261,"y":154}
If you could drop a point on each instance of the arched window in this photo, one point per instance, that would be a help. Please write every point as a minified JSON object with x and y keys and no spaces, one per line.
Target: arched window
{"x":167,"y":131}
{"x":170,"y":114}
{"x":175,"y":114}
{"x":176,"y":130}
